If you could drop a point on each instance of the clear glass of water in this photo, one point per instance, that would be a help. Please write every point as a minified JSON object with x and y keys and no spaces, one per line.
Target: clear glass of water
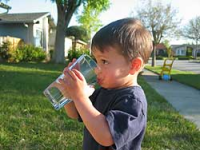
{"x":86,"y":65}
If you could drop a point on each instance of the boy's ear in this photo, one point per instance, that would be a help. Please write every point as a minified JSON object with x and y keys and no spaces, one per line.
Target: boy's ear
{"x":136,"y":65}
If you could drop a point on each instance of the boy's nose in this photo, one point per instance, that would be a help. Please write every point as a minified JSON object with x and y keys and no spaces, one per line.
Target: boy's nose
{"x":97,"y":69}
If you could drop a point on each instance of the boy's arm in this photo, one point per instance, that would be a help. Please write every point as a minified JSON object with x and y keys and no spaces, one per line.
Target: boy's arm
{"x":71,"y":110}
{"x":94,"y":121}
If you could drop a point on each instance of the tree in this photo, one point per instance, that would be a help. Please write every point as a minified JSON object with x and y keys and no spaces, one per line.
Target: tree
{"x":4,"y":6}
{"x":78,"y":32}
{"x":89,"y":16}
{"x":161,"y":20}
{"x":168,"y":47}
{"x":192,"y":31}
{"x":66,"y":9}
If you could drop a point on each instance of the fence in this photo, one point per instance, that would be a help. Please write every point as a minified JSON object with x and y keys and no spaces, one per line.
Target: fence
{"x":13,"y":40}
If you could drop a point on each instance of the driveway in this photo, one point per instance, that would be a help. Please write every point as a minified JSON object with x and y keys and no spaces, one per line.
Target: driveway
{"x":183,"y":65}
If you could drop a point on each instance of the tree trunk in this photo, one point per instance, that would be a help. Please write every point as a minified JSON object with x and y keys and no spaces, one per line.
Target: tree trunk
{"x":196,"y":50}
{"x":63,"y":22}
{"x":153,"y":63}
{"x":58,"y":56}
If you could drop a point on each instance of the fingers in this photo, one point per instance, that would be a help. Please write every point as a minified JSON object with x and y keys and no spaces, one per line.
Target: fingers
{"x":78,"y":74}
{"x":70,"y":63}
{"x":72,"y":75}
{"x":58,"y":85}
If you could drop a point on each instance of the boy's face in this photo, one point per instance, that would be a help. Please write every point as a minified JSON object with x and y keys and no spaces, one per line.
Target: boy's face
{"x":113,"y":69}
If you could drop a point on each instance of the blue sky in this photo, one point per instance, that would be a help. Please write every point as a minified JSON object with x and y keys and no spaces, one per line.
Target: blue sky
{"x":46,"y":5}
{"x":187,"y":9}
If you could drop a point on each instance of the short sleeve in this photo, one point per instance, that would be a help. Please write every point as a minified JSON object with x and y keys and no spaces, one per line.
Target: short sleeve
{"x":126,"y":120}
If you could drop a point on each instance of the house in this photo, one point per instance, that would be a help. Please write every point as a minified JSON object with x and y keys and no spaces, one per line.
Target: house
{"x":161,"y":50}
{"x":78,"y":44}
{"x":180,"y":50}
{"x":70,"y":43}
{"x":32,"y":28}
{"x":183,"y":50}
{"x":196,"y":51}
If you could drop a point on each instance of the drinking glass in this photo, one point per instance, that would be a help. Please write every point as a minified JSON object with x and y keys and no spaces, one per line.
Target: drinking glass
{"x":86,"y":65}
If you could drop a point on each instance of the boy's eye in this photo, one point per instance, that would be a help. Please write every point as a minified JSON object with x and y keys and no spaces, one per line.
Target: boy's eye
{"x":104,"y":61}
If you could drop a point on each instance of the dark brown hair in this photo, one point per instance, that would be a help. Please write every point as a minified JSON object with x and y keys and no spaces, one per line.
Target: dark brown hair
{"x":128,"y":35}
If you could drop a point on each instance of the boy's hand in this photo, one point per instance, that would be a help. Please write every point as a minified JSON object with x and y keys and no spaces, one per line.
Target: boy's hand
{"x":74,"y":83}
{"x":70,"y":64}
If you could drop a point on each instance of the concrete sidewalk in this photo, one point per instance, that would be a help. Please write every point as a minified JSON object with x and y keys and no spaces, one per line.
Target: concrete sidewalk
{"x":183,"y":98}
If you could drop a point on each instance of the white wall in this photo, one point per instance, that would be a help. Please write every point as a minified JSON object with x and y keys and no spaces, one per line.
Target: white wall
{"x":68,"y":42}
{"x":181,"y":51}
{"x":68,"y":45}
{"x":18,"y":30}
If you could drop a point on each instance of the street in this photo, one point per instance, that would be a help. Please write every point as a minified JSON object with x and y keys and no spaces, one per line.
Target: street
{"x":183,"y":65}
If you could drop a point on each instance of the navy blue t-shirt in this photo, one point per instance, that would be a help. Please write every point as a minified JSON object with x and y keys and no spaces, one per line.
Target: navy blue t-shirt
{"x":126,"y":113}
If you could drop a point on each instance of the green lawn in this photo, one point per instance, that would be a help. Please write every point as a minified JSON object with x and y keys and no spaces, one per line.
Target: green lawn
{"x":29,"y":122}
{"x":185,"y":77}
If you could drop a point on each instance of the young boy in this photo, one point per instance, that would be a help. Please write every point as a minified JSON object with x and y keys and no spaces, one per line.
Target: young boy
{"x":115,"y":115}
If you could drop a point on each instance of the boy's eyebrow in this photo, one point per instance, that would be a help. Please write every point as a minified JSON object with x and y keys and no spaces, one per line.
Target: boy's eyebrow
{"x":100,"y":57}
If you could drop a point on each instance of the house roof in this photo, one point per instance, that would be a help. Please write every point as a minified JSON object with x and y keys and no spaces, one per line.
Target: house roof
{"x":160,"y":46}
{"x":22,"y":17}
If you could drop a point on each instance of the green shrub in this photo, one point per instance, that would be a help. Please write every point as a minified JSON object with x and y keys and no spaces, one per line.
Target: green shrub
{"x":5,"y":50}
{"x":77,"y":53}
{"x":160,"y":58}
{"x":189,"y":52}
{"x":28,"y":53}
{"x":18,"y":55}
{"x":51,"y":51}
{"x":38,"y":54}
{"x":184,"y":57}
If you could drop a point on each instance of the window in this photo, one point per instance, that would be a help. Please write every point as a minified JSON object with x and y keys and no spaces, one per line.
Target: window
{"x":178,"y":52}
{"x":182,"y":52}
{"x":38,"y":38}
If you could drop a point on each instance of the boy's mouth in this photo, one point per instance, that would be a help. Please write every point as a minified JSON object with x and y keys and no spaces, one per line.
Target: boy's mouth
{"x":99,"y":81}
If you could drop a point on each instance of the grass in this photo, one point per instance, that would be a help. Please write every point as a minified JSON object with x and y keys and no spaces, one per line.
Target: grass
{"x":29,"y":122}
{"x":185,"y":77}
{"x":167,"y":129}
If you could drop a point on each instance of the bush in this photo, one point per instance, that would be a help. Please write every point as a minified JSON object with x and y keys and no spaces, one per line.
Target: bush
{"x":160,"y":58}
{"x":51,"y":51}
{"x":184,"y":57}
{"x":77,"y":53}
{"x":5,"y":50}
{"x":189,"y":52}
{"x":23,"y":53}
